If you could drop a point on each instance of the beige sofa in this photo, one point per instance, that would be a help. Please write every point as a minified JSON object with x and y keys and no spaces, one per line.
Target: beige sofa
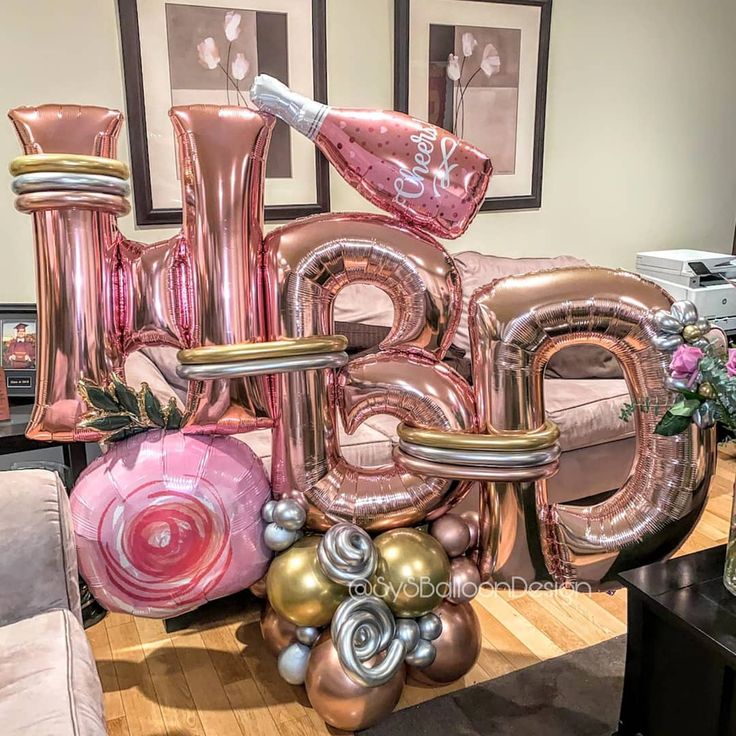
{"x":48,"y":679}
{"x":584,"y":390}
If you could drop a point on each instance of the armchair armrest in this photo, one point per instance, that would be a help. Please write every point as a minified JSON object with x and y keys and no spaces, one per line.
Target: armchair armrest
{"x":38,"y":562}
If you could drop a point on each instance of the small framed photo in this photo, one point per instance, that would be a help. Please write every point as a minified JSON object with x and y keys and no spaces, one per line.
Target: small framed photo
{"x":478,"y":68}
{"x":185,"y":52}
{"x":19,"y":348}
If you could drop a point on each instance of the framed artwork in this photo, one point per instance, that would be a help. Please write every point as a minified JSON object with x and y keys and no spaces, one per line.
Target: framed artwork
{"x":479,"y":69}
{"x":181,"y":52}
{"x":18,"y":359}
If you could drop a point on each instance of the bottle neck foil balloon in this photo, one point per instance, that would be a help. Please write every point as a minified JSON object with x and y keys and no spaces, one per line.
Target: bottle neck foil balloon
{"x":418,"y":172}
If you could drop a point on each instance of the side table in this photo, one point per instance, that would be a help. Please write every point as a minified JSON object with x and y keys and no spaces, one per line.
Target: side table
{"x":681,"y":649}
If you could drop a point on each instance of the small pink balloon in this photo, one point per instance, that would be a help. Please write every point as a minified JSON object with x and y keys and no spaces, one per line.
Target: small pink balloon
{"x":464,"y":580}
{"x":452,"y":533}
{"x":165,"y":521}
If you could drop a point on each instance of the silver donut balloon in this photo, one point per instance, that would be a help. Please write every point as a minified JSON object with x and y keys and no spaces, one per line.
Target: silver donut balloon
{"x":260,"y":367}
{"x":361,"y":629}
{"x":346,"y":554}
{"x":42,"y":181}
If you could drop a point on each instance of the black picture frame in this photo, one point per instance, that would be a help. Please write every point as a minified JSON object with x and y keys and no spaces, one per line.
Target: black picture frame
{"x":145,"y":213}
{"x":20,"y":382}
{"x":402,"y":12}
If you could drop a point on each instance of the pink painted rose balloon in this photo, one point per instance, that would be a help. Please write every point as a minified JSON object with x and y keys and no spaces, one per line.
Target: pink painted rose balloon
{"x":165,"y":522}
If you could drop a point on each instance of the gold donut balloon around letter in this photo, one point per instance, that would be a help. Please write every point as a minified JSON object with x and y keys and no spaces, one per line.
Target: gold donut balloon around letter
{"x":413,"y":572}
{"x":297,"y":588}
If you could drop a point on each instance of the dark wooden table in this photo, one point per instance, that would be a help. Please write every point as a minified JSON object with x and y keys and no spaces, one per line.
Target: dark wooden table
{"x":681,"y":649}
{"x":13,"y":440}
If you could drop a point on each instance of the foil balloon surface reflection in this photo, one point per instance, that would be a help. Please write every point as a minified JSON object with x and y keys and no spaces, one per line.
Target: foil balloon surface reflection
{"x":165,"y":522}
{"x":100,"y":295}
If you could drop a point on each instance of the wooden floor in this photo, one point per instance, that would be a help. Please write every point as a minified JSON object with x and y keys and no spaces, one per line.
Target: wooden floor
{"x":216,"y":679}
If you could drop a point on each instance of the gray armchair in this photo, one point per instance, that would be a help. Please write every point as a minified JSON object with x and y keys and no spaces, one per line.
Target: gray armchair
{"x":48,"y":679}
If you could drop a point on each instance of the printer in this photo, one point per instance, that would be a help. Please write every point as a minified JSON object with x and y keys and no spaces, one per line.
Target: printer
{"x":697,"y":276}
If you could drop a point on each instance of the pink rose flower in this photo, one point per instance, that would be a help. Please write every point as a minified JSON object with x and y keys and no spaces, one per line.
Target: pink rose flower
{"x":685,"y":363}
{"x":731,"y":365}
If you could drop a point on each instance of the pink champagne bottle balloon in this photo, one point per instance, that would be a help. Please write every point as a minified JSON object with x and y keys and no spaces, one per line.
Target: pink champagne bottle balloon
{"x":418,"y":172}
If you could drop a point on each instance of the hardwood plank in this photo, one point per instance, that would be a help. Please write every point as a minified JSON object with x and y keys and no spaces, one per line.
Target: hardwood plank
{"x":117,"y":726}
{"x":501,"y":639}
{"x":100,"y":643}
{"x":213,"y":707}
{"x":566,"y":638}
{"x":142,"y":710}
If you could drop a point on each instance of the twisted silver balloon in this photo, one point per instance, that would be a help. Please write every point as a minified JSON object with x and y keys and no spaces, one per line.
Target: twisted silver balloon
{"x":346,"y":554}
{"x":361,"y":629}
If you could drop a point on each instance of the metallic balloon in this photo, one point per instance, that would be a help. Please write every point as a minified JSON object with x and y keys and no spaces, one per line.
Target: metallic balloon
{"x":457,"y":647}
{"x":45,"y":181}
{"x":277,"y":632}
{"x":277,"y":538}
{"x":339,"y":700}
{"x":471,"y":518}
{"x":68,"y":164}
{"x":430,"y":626}
{"x":261,"y":367}
{"x":307,"y":634}
{"x":422,"y":655}
{"x":267,"y":511}
{"x":407,"y":632}
{"x":346,"y":553}
{"x":293,"y":662}
{"x":464,"y":580}
{"x":258,"y":589}
{"x":289,"y":514}
{"x":516,"y":325}
{"x":361,"y":629}
{"x":288,"y":348}
{"x":418,"y":172}
{"x":452,"y":533}
{"x":101,"y":296}
{"x":412,"y":573}
{"x":499,"y":459}
{"x":297,"y":588}
{"x":306,"y":264}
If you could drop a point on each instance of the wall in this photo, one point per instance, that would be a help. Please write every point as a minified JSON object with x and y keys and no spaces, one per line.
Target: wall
{"x":641,"y":119}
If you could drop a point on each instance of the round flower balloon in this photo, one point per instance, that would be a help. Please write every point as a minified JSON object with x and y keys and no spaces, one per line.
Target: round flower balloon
{"x":165,"y":522}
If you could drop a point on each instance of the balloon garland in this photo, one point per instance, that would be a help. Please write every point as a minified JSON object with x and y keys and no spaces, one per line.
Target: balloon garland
{"x":373,"y":574}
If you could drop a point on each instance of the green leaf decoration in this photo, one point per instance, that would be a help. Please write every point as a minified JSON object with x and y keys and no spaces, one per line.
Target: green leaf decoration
{"x":107,"y":422}
{"x":173,"y":415}
{"x":98,"y":398}
{"x":126,"y":398}
{"x":126,"y":432}
{"x":153,"y":407}
{"x":684,"y":407}
{"x":671,"y":424}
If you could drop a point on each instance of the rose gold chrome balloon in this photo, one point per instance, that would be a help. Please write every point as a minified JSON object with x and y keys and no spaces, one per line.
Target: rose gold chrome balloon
{"x":306,"y":264}
{"x":458,"y":646}
{"x":101,"y":296}
{"x":517,"y":324}
{"x":339,"y":700}
{"x":464,"y":580}
{"x":277,"y":632}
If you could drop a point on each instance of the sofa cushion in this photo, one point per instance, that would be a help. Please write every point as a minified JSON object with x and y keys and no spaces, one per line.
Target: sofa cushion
{"x":38,"y":569}
{"x":587,"y":411}
{"x":48,"y":680}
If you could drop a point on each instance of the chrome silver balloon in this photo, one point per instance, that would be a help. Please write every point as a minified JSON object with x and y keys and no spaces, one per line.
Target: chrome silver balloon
{"x":267,"y":511}
{"x":665,"y":322}
{"x":361,"y":629}
{"x":407,"y":631}
{"x":422,"y":655}
{"x":293,"y":662}
{"x":430,"y":626}
{"x":277,"y":538}
{"x":516,"y":458}
{"x":260,"y":367}
{"x":44,"y":181}
{"x":289,"y":514}
{"x":307,"y":635}
{"x":667,"y":343}
{"x":685,"y":312}
{"x":705,"y":415}
{"x":678,"y":384}
{"x":703,"y":325}
{"x":346,"y":554}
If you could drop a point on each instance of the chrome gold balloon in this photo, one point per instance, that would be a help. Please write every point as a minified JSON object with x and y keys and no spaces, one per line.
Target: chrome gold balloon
{"x":297,"y":588}
{"x":68,"y":163}
{"x":412,"y":573}
{"x":286,"y":348}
